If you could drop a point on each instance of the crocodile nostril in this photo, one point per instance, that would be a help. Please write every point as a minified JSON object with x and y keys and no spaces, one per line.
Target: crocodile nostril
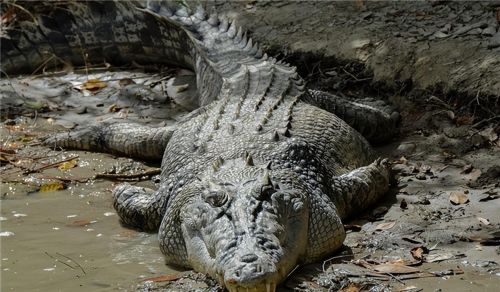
{"x":248,"y":258}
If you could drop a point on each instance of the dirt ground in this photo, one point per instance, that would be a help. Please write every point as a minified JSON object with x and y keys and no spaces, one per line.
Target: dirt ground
{"x":437,"y":230}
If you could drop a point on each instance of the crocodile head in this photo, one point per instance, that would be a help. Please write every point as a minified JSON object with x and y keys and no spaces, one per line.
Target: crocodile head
{"x":247,"y":229}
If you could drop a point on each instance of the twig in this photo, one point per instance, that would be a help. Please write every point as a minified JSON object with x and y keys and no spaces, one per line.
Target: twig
{"x":395,"y":278}
{"x":350,"y":74}
{"x":150,"y":172}
{"x":57,"y":260}
{"x":485,"y":121}
{"x":50,"y":165}
{"x":77,"y":264}
{"x":332,"y":258}
{"x":68,"y":179}
{"x":24,"y":10}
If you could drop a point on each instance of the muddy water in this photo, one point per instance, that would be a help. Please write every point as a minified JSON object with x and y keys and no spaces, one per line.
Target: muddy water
{"x":72,"y":240}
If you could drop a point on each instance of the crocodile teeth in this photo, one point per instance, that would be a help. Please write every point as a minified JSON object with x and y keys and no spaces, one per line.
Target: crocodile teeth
{"x":266,"y":180}
{"x":250,"y":160}
{"x":231,"y":32}
{"x":223,"y":26}
{"x":276,"y":136}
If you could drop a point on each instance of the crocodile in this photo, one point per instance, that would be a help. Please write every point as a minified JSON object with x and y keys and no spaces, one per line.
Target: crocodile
{"x":258,"y":178}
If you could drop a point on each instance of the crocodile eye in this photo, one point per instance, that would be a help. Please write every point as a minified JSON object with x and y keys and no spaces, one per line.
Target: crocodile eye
{"x":215,"y":199}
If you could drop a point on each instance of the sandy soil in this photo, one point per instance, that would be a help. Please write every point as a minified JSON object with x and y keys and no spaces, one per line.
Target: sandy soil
{"x":429,"y":58}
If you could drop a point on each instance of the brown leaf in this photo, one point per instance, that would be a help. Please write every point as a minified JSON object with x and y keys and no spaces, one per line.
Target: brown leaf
{"x":438,"y":257}
{"x":164,"y":278}
{"x":467,"y":168}
{"x":353,"y":287}
{"x":79,"y":223}
{"x":93,"y":85}
{"x":7,"y":151}
{"x":114,"y":108}
{"x":68,"y":164}
{"x":458,"y":198}
{"x":464,"y":120}
{"x":51,"y":187}
{"x":419,"y":252}
{"x":408,"y":289}
{"x":395,"y":268}
{"x":385,"y":225}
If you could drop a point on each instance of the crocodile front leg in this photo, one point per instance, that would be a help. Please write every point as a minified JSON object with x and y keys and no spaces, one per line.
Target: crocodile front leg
{"x":138,"y":207}
{"x":360,"y":188}
{"x":128,"y":139}
{"x":376,"y":120}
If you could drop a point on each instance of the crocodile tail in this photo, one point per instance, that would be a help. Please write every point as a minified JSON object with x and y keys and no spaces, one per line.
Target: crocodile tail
{"x":219,"y":46}
{"x":44,"y":35}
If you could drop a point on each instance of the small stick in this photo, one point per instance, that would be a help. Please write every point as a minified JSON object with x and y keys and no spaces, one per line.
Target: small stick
{"x":57,"y":260}
{"x":150,"y":172}
{"x":51,"y":165}
{"x":78,"y":265}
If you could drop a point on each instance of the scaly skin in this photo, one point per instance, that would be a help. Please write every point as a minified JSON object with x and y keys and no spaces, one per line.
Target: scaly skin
{"x":255,"y":181}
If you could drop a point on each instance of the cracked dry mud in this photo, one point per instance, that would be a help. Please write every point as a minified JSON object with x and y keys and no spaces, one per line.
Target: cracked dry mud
{"x":445,"y":160}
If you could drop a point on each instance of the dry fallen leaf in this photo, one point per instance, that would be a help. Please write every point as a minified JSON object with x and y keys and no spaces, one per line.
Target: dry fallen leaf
{"x":114,"y":108}
{"x":484,"y":220}
{"x":68,"y":164}
{"x":93,"y":85}
{"x":51,"y":187}
{"x":385,"y":225}
{"x":458,"y":198}
{"x":438,"y":257}
{"x":418,"y":252}
{"x":395,"y":268}
{"x":408,"y":289}
{"x":164,"y":278}
{"x":467,"y":168}
{"x":464,"y":120}
{"x":353,"y":287}
{"x":79,"y":223}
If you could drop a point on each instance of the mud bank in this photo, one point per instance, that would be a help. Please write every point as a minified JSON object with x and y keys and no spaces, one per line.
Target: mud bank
{"x":442,"y":47}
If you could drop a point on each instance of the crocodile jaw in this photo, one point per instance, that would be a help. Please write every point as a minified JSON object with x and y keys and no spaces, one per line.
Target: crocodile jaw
{"x":246,"y":240}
